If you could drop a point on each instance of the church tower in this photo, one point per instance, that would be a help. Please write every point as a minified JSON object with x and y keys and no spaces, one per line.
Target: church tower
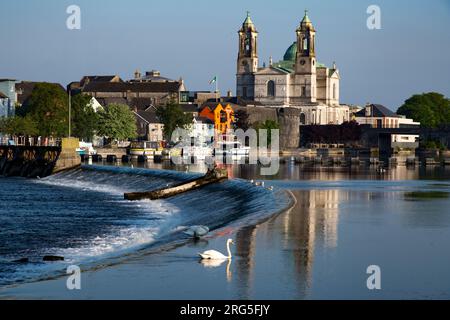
{"x":247,"y":62}
{"x":305,"y":62}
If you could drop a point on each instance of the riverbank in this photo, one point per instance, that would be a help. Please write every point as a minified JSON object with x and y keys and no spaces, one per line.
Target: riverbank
{"x":320,"y":249}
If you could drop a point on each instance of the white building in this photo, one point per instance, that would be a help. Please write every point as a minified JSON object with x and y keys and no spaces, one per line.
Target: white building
{"x":378,"y":116}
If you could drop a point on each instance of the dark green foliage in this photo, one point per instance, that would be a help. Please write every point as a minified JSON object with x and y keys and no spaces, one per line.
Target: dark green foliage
{"x":84,"y":118}
{"x":431,"y":109}
{"x":48,"y":107}
{"x":117,"y":122}
{"x":173,"y":117}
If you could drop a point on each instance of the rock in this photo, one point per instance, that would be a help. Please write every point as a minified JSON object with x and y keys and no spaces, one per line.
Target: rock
{"x":53,"y":258}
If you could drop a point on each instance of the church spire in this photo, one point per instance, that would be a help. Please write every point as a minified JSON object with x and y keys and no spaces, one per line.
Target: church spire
{"x":248,"y":47}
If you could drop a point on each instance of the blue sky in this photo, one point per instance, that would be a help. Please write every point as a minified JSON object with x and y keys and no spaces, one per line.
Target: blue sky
{"x":197,"y":39}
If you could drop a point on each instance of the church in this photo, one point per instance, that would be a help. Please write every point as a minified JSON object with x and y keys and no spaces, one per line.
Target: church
{"x":298,"y":81}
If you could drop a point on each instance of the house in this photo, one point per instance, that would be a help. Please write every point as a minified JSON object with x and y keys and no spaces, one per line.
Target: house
{"x":378,"y":116}
{"x":8,"y":97}
{"x":221,"y":116}
{"x":149,"y":128}
{"x":202,"y":130}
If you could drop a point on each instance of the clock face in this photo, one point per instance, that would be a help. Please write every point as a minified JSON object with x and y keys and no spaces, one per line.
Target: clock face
{"x":302,"y":62}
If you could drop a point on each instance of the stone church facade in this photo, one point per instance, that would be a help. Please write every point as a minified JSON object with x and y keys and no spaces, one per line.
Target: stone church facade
{"x":298,"y":81}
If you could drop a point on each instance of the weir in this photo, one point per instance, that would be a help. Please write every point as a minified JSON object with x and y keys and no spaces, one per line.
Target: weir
{"x":38,"y":161}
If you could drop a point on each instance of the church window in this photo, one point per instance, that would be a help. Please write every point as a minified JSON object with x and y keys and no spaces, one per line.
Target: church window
{"x":303,"y":91}
{"x":271,"y":88}
{"x":302,"y":119}
{"x":334,"y":90}
{"x":244,"y":92}
{"x":305,"y":44}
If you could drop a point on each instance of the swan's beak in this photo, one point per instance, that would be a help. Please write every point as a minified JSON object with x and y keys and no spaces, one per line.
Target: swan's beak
{"x":232,"y":242}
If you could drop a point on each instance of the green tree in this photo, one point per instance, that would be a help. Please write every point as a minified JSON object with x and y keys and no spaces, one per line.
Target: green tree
{"x":84,"y":117}
{"x":117,"y":122}
{"x":48,"y":106}
{"x":17,"y":125}
{"x":268,"y":125}
{"x":431,"y":109}
{"x":173,"y":117}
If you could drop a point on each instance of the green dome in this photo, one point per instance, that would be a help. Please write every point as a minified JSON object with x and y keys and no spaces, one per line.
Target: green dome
{"x":291,"y":53}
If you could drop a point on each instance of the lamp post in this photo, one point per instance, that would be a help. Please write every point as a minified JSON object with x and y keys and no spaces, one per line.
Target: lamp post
{"x":70,"y":115}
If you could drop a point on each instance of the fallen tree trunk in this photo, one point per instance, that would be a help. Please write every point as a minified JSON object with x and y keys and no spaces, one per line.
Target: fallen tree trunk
{"x":213,"y":176}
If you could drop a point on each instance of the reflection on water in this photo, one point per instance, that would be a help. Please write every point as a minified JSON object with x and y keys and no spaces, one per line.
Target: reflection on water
{"x":290,"y":171}
{"x":300,"y":254}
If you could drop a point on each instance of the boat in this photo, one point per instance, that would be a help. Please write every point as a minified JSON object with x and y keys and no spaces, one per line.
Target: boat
{"x":200,"y":151}
{"x":146,"y":148}
{"x":229,"y":145}
{"x":85,"y":148}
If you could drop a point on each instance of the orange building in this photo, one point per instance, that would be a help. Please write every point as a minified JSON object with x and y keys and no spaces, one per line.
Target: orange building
{"x":223,"y":117}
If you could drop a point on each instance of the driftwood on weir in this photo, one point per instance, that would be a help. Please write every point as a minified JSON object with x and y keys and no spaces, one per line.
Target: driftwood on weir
{"x":212,"y":176}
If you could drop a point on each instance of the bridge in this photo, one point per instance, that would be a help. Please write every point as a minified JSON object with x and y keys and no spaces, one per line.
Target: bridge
{"x":37,"y":161}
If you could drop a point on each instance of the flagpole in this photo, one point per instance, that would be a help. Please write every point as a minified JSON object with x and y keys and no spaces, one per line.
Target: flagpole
{"x":217,"y":88}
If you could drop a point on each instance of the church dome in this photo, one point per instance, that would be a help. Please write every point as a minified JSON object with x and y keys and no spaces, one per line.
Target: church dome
{"x":291,"y":53}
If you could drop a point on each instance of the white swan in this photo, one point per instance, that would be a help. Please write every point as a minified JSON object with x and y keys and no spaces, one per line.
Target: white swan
{"x":215,"y":255}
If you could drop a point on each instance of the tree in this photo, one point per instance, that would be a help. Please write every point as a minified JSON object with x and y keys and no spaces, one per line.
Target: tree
{"x":17,"y":125}
{"x":431,"y":109}
{"x":84,"y":117}
{"x":268,"y":125}
{"x":173,"y":117}
{"x":241,"y":120}
{"x":48,"y":106}
{"x":117,"y":122}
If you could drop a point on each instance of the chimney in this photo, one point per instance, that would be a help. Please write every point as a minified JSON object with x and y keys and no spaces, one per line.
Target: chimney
{"x":368,"y":109}
{"x":137,"y":75}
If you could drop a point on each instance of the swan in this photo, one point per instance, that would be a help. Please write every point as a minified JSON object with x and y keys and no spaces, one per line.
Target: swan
{"x":197,"y":231}
{"x":215,"y":255}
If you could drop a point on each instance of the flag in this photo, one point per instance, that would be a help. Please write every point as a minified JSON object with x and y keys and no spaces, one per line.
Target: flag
{"x":214,"y":80}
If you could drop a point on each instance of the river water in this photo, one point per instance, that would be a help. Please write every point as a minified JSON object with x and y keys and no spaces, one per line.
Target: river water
{"x":344,"y":221}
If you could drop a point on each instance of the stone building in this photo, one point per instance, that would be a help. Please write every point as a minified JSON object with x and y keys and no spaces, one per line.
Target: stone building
{"x":298,"y":81}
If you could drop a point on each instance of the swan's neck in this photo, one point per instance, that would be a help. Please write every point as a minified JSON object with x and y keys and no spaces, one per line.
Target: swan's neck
{"x":229,"y":251}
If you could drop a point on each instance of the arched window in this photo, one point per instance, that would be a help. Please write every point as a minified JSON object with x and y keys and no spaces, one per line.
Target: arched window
{"x":334,"y":90}
{"x":302,"y":119}
{"x":305,"y":44}
{"x":271,"y":88}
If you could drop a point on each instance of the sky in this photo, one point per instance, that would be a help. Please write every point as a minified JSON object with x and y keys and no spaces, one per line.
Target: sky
{"x":197,"y":40}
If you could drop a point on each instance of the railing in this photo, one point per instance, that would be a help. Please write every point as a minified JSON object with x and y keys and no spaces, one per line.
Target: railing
{"x":30,"y":141}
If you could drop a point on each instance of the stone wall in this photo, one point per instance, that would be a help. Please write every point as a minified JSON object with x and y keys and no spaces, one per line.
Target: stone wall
{"x":289,"y":120}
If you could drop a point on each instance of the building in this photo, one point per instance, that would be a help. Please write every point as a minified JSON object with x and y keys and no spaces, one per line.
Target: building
{"x":378,"y":116}
{"x":221,"y":116}
{"x":202,"y":129}
{"x":152,"y":90}
{"x":149,"y":128}
{"x":298,"y":81}
{"x":8,"y":97}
